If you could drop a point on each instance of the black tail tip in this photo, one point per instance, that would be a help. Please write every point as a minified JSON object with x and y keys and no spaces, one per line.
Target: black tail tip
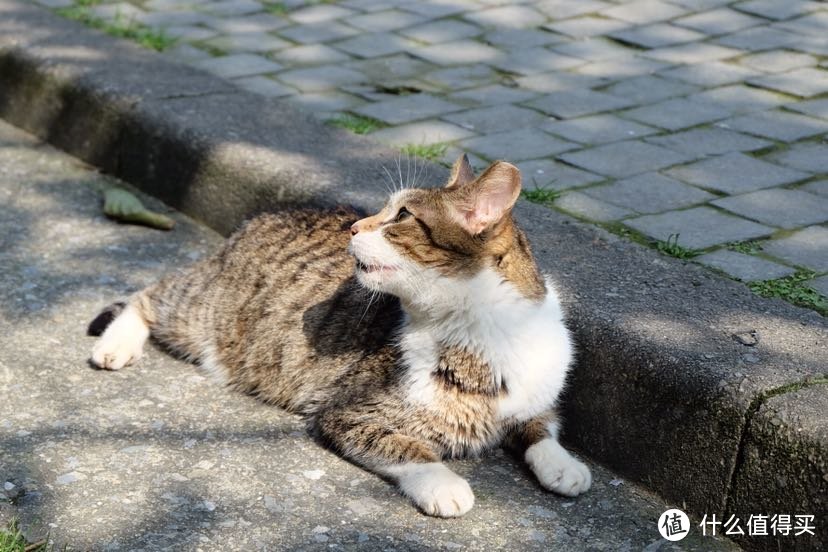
{"x":105,"y":318}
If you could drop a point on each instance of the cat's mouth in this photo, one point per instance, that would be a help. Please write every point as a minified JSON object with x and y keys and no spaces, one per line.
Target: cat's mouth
{"x":374,"y":268}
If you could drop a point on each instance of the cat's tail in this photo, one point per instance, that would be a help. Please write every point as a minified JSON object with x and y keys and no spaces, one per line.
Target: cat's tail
{"x":105,"y":318}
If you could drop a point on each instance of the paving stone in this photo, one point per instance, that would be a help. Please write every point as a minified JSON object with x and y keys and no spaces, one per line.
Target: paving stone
{"x":778,"y":207}
{"x":804,"y":82}
{"x":738,"y":98}
{"x":759,"y":38}
{"x":172,"y":19}
{"x":55,"y":3}
{"x":385,"y":69}
{"x":735,"y":173}
{"x":701,"y":142}
{"x":574,"y":103}
{"x":776,"y":124}
{"x":408,"y":108}
{"x":812,"y":44}
{"x":185,"y":53}
{"x":677,"y":114}
{"x":165,"y":5}
{"x":719,"y":21}
{"x":464,"y":76}
{"x":424,"y":132}
{"x":373,"y":45}
{"x":458,"y":52}
{"x":715,"y":73}
{"x":239,"y":65}
{"x":520,"y":39}
{"x":819,"y":284}
{"x":774,"y":9}
{"x":317,"y":79}
{"x":493,"y":95}
{"x":250,"y":42}
{"x":557,"y":81}
{"x":264,"y":86}
{"x":819,"y":187}
{"x":446,"y":30}
{"x":324,"y":104}
{"x":698,"y":228}
{"x":815,"y":108}
{"x":515,"y":17}
{"x":812,"y":23}
{"x":778,"y":61}
{"x":190,"y":33}
{"x":582,"y":27}
{"x":517,"y":145}
{"x":499,"y":118}
{"x":692,"y":53}
{"x":698,"y":5}
{"x":310,"y":54}
{"x":259,"y":23}
{"x":233,"y":7}
{"x":384,"y":21}
{"x":805,"y":156}
{"x":533,"y":61}
{"x":553,"y":175}
{"x":807,"y":247}
{"x":657,"y":35}
{"x":621,"y":68}
{"x":590,"y":208}
{"x":120,"y":11}
{"x":622,"y":159}
{"x":746,"y":268}
{"x":594,"y":49}
{"x":435,"y":8}
{"x":598,"y":129}
{"x":319,"y":13}
{"x":317,"y":33}
{"x":564,"y":9}
{"x":650,"y":88}
{"x":644,"y":11}
{"x":649,"y":193}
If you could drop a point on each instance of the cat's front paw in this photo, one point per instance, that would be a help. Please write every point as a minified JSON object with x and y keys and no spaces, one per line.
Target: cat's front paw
{"x":435,"y":489}
{"x":113,"y":354}
{"x":557,"y":470}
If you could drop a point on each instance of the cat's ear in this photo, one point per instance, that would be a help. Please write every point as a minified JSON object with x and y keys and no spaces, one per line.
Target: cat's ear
{"x":485,"y":202}
{"x":461,"y":173}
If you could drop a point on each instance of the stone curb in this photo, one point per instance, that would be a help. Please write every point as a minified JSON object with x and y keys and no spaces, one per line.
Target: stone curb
{"x":671,"y":380}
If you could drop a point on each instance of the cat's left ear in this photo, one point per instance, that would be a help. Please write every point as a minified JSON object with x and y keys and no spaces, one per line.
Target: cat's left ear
{"x":461,"y":173}
{"x":487,"y":200}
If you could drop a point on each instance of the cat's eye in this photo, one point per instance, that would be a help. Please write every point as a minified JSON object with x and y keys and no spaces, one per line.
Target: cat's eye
{"x":402,"y":214}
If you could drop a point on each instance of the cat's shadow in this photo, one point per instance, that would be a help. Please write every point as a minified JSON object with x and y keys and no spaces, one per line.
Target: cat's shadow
{"x":351,"y":320}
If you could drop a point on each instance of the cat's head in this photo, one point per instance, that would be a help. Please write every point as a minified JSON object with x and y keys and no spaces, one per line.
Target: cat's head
{"x":433,"y":241}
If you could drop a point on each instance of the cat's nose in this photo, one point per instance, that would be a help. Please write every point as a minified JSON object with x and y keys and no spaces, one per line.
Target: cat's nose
{"x":355,"y":229}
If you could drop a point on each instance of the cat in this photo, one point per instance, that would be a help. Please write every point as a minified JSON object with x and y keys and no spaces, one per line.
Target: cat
{"x":421,"y":333}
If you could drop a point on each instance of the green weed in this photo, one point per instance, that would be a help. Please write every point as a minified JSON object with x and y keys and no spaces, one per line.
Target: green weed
{"x":541,"y":196}
{"x":671,"y":247}
{"x":12,"y":540}
{"x":356,"y":123}
{"x":793,"y":289}
{"x":432,"y":152}
{"x":746,"y":247}
{"x":276,"y":8}
{"x":121,"y":27}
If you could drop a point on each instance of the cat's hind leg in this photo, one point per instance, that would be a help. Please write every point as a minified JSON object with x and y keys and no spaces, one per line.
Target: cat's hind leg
{"x":123,"y":330}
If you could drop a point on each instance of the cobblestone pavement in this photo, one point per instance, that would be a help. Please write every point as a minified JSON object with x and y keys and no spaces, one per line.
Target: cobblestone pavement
{"x":704,"y":120}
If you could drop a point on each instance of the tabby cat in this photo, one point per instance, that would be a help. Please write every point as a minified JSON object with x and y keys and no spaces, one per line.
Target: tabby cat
{"x":436,"y":337}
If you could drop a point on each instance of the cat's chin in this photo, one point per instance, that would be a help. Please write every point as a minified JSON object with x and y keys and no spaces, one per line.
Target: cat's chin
{"x":375,"y":277}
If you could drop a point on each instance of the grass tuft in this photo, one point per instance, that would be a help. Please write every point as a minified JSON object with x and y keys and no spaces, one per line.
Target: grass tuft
{"x":12,"y":540}
{"x":431,"y":152}
{"x":671,"y":247}
{"x":746,"y":247}
{"x":356,"y":123}
{"x":541,"y":196}
{"x":276,"y":8}
{"x":793,"y":289}
{"x":121,"y":27}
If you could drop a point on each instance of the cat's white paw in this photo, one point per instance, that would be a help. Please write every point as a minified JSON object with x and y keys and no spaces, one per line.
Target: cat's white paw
{"x":123,"y":341}
{"x":557,"y":470}
{"x":434,"y":488}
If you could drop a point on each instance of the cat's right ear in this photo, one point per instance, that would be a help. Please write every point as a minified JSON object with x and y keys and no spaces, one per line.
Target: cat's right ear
{"x":461,"y":173}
